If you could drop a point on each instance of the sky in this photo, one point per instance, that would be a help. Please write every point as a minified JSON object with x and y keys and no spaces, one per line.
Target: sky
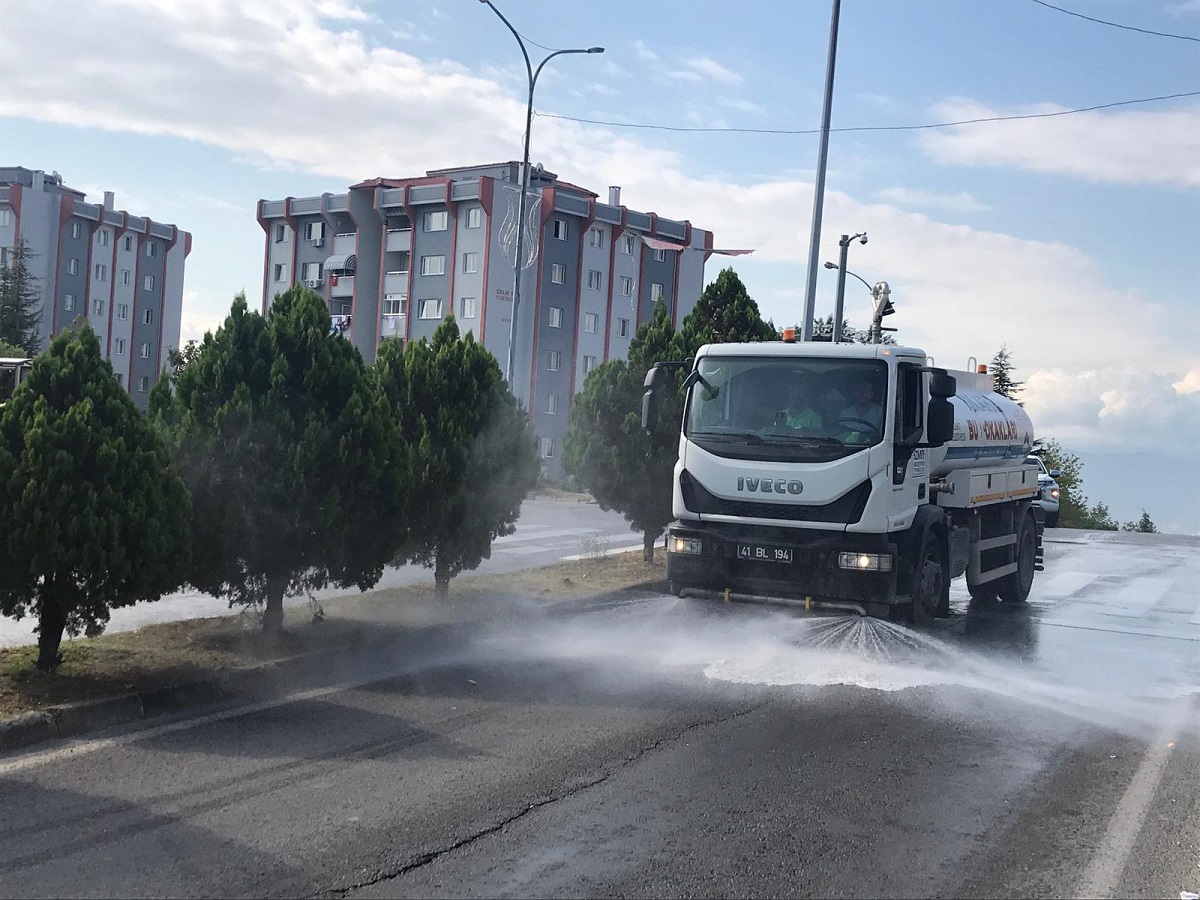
{"x":1073,"y":240}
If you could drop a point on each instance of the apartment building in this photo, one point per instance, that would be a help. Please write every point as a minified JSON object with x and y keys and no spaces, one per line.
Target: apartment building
{"x":122,"y":273}
{"x":395,"y":256}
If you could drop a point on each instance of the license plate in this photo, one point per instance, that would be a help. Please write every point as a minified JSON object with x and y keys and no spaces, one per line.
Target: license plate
{"x":759,"y":553}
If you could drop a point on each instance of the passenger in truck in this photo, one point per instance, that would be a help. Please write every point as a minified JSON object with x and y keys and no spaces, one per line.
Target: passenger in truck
{"x":864,"y":408}
{"x":800,"y":412}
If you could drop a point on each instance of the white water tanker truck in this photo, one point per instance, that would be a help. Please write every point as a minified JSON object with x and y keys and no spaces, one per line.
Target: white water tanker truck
{"x":852,"y":477}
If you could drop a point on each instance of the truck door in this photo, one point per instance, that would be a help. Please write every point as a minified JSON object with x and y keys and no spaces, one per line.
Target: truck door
{"x":910,"y":475}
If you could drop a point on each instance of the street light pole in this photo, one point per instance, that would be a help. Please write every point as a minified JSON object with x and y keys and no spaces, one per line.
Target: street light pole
{"x":844,"y":245}
{"x":814,"y":240}
{"x":532,"y":75}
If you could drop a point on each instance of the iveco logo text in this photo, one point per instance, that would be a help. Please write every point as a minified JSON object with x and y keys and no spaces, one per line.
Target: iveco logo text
{"x":767,"y":486}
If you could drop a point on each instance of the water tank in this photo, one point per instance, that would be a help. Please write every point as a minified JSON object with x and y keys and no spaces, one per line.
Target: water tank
{"x":989,"y":430}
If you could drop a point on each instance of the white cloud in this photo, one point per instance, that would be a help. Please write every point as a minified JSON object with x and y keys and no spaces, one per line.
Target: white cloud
{"x":910,"y":197}
{"x":1130,"y":146}
{"x":685,"y":75}
{"x":741,"y":104}
{"x":643,"y":52}
{"x":339,"y":10}
{"x":236,"y":75}
{"x":712,"y":70}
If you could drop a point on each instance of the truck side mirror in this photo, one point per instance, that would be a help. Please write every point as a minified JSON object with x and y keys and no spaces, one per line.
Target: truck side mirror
{"x":1055,"y":473}
{"x":940,"y":421}
{"x":650,"y":409}
{"x":942,"y":385}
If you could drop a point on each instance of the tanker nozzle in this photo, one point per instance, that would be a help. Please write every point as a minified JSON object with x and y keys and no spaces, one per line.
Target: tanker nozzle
{"x":941,"y":487}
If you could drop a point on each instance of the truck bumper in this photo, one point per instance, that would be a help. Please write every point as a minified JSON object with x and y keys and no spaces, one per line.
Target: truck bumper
{"x":792,"y":566}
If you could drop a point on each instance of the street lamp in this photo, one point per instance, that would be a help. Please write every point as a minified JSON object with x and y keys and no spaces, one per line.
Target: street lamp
{"x":844,"y":244}
{"x":533,"y":77}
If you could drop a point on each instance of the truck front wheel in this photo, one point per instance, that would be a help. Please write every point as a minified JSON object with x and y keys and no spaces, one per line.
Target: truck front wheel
{"x":1015,"y":588}
{"x":929,"y":582}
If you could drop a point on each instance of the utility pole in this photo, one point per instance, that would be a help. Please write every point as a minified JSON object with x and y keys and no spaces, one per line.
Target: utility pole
{"x":844,"y":249}
{"x":814,"y":240}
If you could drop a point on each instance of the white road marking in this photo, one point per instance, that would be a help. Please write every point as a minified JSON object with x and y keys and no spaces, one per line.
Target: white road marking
{"x":1195,"y":620}
{"x":1062,"y":584}
{"x":1102,"y":874}
{"x":1139,"y":596}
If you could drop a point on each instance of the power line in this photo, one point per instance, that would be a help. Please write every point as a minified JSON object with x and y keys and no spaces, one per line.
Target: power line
{"x":731,"y":130}
{"x":1166,"y":34}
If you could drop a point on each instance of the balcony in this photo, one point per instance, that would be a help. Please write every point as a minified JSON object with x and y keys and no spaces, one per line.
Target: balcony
{"x":398,"y":241}
{"x":345,"y":244}
{"x":392,"y":326}
{"x":341,"y":285}
{"x":395,"y":283}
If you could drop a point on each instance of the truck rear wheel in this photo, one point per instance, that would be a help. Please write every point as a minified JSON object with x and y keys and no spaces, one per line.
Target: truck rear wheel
{"x":1015,"y":588}
{"x":929,"y":582}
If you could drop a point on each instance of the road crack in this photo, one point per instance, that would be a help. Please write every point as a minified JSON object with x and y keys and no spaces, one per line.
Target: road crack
{"x":555,"y":797}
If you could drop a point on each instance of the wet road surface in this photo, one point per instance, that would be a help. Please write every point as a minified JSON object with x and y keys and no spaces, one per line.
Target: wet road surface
{"x":646,"y":746}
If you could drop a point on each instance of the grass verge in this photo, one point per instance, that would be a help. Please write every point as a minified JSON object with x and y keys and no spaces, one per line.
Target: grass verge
{"x":176,"y":652}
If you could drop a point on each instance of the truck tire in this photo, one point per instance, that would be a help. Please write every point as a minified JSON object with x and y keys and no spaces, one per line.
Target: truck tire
{"x":982,"y":593}
{"x":929,"y":582}
{"x":1015,"y":588}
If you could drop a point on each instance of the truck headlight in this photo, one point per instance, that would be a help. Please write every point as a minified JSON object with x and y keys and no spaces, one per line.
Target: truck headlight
{"x":689,"y":546}
{"x":865,"y":562}
{"x":1053,"y":493}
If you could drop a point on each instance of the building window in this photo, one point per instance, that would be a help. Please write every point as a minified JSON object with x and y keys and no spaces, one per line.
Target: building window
{"x":120,"y":346}
{"x":100,"y":270}
{"x":622,"y":328}
{"x":69,"y":302}
{"x":562,"y":229}
{"x":102,"y":237}
{"x":97,"y":306}
{"x":393,"y":304}
{"x":626,"y":286}
{"x":656,"y":292}
{"x":148,"y":282}
{"x":436,"y":221}
{"x":545,"y":448}
{"x":129,"y":243}
{"x":145,"y":350}
{"x":552,"y":405}
{"x":591,"y":322}
{"x":147,"y":317}
{"x":433,"y":265}
{"x":126,"y":277}
{"x":627,"y":244}
{"x":151,"y":249}
{"x":144,"y":384}
{"x":554,"y":360}
{"x":556,"y":317}
{"x":558,"y":273}
{"x":122,"y":310}
{"x":5,"y":218}
{"x":589,"y":363}
{"x":72,"y":266}
{"x":280,"y":272}
{"x":660,"y":255}
{"x":314,"y":231}
{"x":430,"y":309}
{"x":280,"y":233}
{"x":121,"y":379}
{"x":474,"y":217}
{"x":313,"y":271}
{"x":76,"y":230}
{"x":470,"y":263}
{"x":594,"y":279}
{"x":466,"y":308}
{"x":596,"y":237}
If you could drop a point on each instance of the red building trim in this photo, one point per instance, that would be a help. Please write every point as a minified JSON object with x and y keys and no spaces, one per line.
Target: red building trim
{"x":487,"y":189}
{"x":118,"y":233}
{"x":548,"y":200}
{"x":687,"y":243}
{"x":162,"y":294}
{"x":14,"y":200}
{"x":66,"y":209}
{"x":617,"y":233}
{"x":452,"y":217}
{"x":708,"y":245}
{"x":583,"y":230}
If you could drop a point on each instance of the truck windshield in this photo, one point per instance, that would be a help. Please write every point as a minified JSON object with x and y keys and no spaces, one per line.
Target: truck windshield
{"x":786,"y":408}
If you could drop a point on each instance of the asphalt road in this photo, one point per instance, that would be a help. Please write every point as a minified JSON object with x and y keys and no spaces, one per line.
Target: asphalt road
{"x":644,"y":746}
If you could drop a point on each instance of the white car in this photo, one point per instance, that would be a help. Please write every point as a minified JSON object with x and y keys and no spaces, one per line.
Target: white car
{"x":1048,"y":490}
